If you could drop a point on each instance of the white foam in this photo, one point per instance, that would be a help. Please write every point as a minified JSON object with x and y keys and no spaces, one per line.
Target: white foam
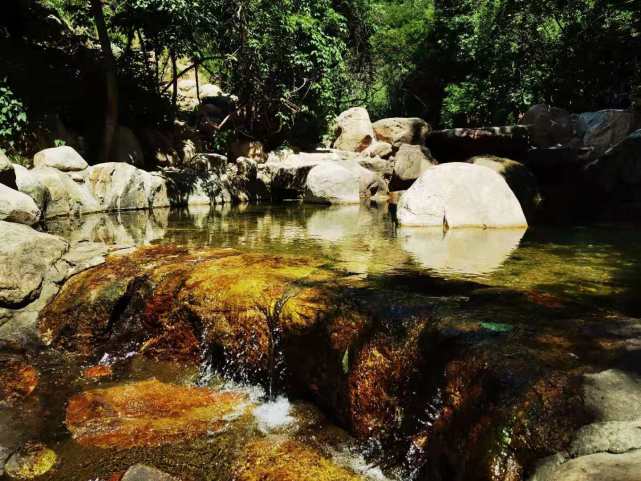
{"x":274,"y":415}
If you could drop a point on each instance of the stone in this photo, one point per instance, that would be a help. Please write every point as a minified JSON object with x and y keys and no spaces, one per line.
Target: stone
{"x":383,"y":167}
{"x":619,"y":168}
{"x":522,"y":182}
{"x":596,"y":467}
{"x":354,"y":132}
{"x":458,"y":145}
{"x":251,"y":149}
{"x":615,"y":437}
{"x":17,"y":207}
{"x":549,"y":126}
{"x":141,"y":472}
{"x":64,"y":158}
{"x":55,"y":192}
{"x":126,"y":147}
{"x":613,"y":395}
{"x":398,"y":131}
{"x":379,"y":149}
{"x":329,"y":183}
{"x":25,"y":257}
{"x":147,"y":414}
{"x":410,"y":163}
{"x":7,"y":173}
{"x":120,"y":186}
{"x":604,"y":129}
{"x":32,"y":461}
{"x":460,"y":195}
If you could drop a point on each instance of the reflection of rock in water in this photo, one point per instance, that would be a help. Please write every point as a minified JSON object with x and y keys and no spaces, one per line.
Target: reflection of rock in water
{"x":338,"y":223}
{"x":461,"y":251}
{"x":137,"y":227}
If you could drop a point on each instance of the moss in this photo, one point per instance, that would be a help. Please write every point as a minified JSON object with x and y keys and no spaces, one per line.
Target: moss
{"x":32,"y":461}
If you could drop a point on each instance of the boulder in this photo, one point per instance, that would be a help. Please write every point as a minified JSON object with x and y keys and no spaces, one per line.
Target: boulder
{"x":616,"y":437}
{"x":126,"y":147}
{"x":460,"y":195}
{"x":620,"y":167}
{"x":32,"y":461}
{"x":141,"y":472}
{"x":518,"y":177}
{"x":410,"y":163}
{"x":329,"y":183}
{"x":603,"y":129}
{"x":354,"y":132}
{"x":398,"y":131}
{"x":64,"y":158}
{"x":17,"y":207}
{"x":55,"y":192}
{"x":613,"y":395}
{"x":120,"y":186}
{"x":381,"y":150}
{"x":549,"y":126}
{"x":596,"y":467}
{"x":25,"y":257}
{"x":458,"y":145}
{"x":7,"y":174}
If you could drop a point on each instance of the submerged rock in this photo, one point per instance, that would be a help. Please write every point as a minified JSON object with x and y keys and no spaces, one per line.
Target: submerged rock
{"x":460,"y":195}
{"x":287,"y":460}
{"x":17,"y":380}
{"x":141,"y":472}
{"x":32,"y":461}
{"x":147,"y":413}
{"x":64,"y":159}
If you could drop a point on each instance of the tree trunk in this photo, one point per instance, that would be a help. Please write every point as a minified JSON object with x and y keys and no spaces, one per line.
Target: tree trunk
{"x":111,"y":81}
{"x":197,"y":81}
{"x":174,"y":72}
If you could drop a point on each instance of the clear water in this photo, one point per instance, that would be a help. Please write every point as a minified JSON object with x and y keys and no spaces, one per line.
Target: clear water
{"x":598,"y":264}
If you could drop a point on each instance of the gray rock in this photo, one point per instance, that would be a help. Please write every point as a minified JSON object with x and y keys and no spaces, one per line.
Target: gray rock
{"x":549,"y":126}
{"x":120,"y":186}
{"x":613,"y":396}
{"x":17,"y":207}
{"x":26,"y":256}
{"x":620,"y":167}
{"x":330,"y":183}
{"x":64,"y":158}
{"x":4,"y":455}
{"x":398,"y":131}
{"x":595,"y":467}
{"x":379,"y":149}
{"x":354,"y":132}
{"x":141,"y":472}
{"x":460,"y":195}
{"x":410,"y":163}
{"x":603,"y":129}
{"x":7,"y":174}
{"x":614,"y":437}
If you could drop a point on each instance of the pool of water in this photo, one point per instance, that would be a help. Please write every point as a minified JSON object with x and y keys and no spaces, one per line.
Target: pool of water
{"x":596,"y":264}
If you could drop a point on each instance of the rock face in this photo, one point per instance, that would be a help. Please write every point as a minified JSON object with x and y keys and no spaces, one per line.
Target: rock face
{"x":148,"y":413}
{"x":118,"y":186}
{"x":17,"y":207}
{"x":460,"y":195}
{"x":354,"y":132}
{"x":410,"y":163}
{"x":64,"y":158}
{"x":549,"y":126}
{"x":603,"y":129}
{"x":518,"y":177}
{"x":398,"y":131}
{"x":332,"y":184}
{"x":126,"y":147}
{"x":458,"y":145}
{"x":7,"y":174}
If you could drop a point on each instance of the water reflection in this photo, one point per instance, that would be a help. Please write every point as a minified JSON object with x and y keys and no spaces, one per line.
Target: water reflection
{"x":467,"y":252}
{"x":593,"y":263}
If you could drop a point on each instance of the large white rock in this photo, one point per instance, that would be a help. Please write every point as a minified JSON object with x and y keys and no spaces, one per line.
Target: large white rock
{"x":397,"y":131}
{"x":64,"y":158}
{"x":329,"y":183}
{"x":460,"y":195}
{"x":17,"y":207}
{"x":25,"y":257}
{"x":354,"y":132}
{"x":120,"y":186}
{"x":55,"y":192}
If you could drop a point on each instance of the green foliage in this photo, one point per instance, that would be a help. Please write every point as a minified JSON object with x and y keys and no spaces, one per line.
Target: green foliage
{"x":13,"y":118}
